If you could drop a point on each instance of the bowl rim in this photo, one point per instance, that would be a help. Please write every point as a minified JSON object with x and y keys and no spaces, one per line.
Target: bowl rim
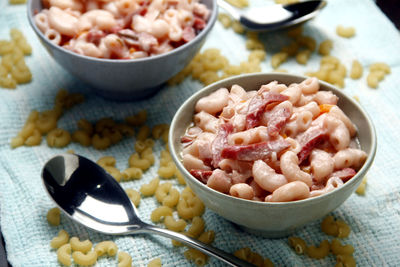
{"x":268,"y":76}
{"x":209,"y":25}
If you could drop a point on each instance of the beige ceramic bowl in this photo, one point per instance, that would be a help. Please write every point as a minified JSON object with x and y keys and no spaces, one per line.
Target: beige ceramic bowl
{"x":263,"y":218}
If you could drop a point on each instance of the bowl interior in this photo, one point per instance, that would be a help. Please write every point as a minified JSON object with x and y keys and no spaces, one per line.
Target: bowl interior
{"x":220,"y":202}
{"x":127,"y":79}
{"x":35,"y":6}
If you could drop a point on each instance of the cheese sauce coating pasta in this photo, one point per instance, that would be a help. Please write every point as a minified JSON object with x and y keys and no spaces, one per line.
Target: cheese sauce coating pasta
{"x":121,"y":29}
{"x":280,"y":143}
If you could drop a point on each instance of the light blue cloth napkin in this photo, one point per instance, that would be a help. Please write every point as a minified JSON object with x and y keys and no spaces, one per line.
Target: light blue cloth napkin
{"x":374,"y":218}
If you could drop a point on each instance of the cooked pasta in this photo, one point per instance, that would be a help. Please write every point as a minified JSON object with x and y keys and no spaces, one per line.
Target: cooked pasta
{"x":122,"y":32}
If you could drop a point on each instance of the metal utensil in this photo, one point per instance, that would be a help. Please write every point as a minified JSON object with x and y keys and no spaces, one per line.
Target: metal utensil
{"x":272,"y":17}
{"x":92,"y":197}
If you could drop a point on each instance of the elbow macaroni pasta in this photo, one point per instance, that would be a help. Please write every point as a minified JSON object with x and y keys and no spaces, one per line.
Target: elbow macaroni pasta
{"x":61,"y":239}
{"x":106,"y":247}
{"x":160,"y":213}
{"x":319,"y":252}
{"x":64,"y":254}
{"x":83,"y":259}
{"x":82,"y":246}
{"x":313,"y":141}
{"x":134,"y":196}
{"x":124,"y":259}
{"x":53,"y":216}
{"x":155,"y":263}
{"x":150,"y":188}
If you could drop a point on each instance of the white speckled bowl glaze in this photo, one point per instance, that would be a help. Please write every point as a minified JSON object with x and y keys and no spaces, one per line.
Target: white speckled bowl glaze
{"x":262,"y":218}
{"x":125,"y":79}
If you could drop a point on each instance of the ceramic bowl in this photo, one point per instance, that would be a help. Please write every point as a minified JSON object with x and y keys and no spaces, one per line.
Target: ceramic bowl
{"x":124,"y":79}
{"x":267,"y":218}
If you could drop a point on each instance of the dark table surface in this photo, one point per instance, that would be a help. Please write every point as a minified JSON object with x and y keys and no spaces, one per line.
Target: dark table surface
{"x":390,"y":7}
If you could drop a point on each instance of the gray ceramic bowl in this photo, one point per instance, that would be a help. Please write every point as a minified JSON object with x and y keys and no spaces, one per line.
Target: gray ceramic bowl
{"x":266,"y":218}
{"x":125,"y":79}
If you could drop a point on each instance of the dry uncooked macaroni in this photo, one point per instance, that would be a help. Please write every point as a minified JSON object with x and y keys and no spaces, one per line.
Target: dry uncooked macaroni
{"x":150,"y":188}
{"x":319,"y":252}
{"x":134,"y":196}
{"x":333,"y":227}
{"x":346,"y":32}
{"x":338,"y":249}
{"x":64,"y":254}
{"x":250,"y":256}
{"x":53,"y":216}
{"x":356,"y":70}
{"x":82,"y":246}
{"x":106,"y":247}
{"x":45,"y":122}
{"x":160,"y":213}
{"x":199,"y":258}
{"x":298,"y":244}
{"x":13,"y":69}
{"x":377,"y":73}
{"x":174,"y":225}
{"x":155,"y":263}
{"x":124,"y":259}
{"x":361,"y":188}
{"x":83,"y":259}
{"x":61,"y":239}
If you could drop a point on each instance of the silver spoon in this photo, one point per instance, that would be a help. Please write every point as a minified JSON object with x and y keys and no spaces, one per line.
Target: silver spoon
{"x":90,"y":196}
{"x":272,"y":17}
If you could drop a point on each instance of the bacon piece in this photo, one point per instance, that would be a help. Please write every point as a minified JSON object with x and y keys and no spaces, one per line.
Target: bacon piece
{"x":199,"y":23}
{"x":257,"y":106}
{"x":188,"y":34}
{"x":309,"y":140}
{"x":220,"y":141}
{"x":344,"y":174}
{"x":277,"y":119}
{"x":94,"y":36}
{"x":186,"y":139}
{"x":256,"y":151}
{"x":201,"y":175}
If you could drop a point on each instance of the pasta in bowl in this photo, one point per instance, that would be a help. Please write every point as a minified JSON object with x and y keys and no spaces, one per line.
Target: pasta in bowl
{"x":272,"y":152}
{"x":123,"y":49}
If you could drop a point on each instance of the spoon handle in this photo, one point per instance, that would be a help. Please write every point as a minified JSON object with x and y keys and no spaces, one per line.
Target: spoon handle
{"x":228,"y":8}
{"x":207,"y":249}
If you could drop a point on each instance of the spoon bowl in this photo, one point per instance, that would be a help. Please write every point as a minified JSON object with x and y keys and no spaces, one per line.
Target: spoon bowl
{"x":87,"y":194}
{"x":273,"y":17}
